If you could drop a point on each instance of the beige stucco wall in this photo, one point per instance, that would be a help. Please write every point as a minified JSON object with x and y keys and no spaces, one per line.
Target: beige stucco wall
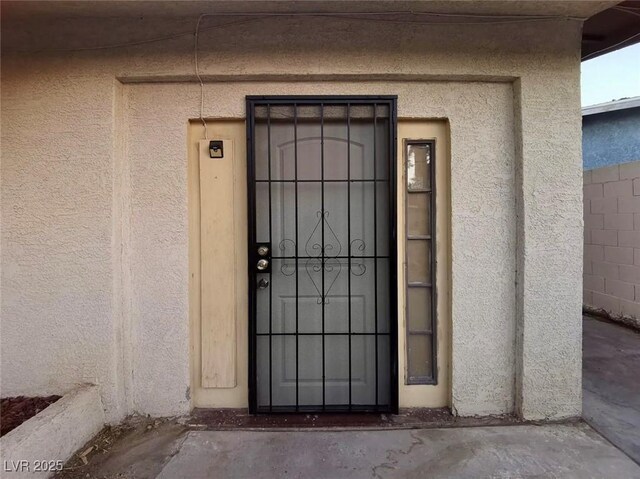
{"x":94,"y":193}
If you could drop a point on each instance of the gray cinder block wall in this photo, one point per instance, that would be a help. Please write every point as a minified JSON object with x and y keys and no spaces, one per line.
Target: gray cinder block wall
{"x":612,"y":239}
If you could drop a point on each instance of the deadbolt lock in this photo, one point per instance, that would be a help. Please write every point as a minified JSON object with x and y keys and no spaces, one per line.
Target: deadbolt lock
{"x":263,"y":257}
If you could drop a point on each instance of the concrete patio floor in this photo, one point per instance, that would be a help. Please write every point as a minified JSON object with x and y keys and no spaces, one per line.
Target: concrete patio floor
{"x":611,"y":383}
{"x":568,"y":451}
{"x":171,"y":449}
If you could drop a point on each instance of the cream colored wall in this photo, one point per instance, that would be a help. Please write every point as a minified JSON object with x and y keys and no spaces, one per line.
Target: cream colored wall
{"x":237,"y":396}
{"x":95,"y":268}
{"x":415,"y":395}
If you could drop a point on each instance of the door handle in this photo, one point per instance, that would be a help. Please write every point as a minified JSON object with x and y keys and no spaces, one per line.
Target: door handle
{"x":262,"y":265}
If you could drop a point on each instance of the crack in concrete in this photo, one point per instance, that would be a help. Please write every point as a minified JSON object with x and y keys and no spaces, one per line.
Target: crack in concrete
{"x":393,"y":456}
{"x":180,"y":442}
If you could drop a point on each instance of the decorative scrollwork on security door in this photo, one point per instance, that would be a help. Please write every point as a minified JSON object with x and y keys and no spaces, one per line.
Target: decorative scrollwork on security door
{"x":288,"y":249}
{"x":322,"y":256}
{"x":358,"y":268}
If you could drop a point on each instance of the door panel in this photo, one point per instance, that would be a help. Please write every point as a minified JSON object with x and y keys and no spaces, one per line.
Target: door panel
{"x":321,"y":185}
{"x":217,"y":254}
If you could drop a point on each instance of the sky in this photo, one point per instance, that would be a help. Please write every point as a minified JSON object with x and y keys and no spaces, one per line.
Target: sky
{"x":611,"y":76}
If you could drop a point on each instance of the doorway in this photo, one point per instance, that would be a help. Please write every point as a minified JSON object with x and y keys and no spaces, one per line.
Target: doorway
{"x":322,"y":254}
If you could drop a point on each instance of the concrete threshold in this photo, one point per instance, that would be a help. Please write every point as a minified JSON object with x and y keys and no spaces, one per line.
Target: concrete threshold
{"x":414,"y":418}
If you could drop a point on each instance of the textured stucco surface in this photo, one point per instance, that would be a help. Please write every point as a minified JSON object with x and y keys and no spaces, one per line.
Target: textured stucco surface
{"x":549,"y":239}
{"x":57,"y":326}
{"x":94,"y":203}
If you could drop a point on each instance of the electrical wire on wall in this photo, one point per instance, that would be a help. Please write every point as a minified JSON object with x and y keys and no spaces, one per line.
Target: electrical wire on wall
{"x":195,"y":58}
{"x":197,"y":66}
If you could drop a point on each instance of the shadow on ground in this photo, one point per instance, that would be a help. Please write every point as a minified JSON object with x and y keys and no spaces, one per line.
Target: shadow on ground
{"x":611,"y":383}
{"x":138,"y":448}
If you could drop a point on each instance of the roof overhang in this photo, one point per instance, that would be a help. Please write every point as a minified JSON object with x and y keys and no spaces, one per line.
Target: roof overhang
{"x":611,"y":29}
{"x":609,"y":24}
{"x":112,"y":8}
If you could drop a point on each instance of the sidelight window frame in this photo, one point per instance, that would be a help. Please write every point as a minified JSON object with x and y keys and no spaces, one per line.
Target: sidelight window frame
{"x":432,"y":285}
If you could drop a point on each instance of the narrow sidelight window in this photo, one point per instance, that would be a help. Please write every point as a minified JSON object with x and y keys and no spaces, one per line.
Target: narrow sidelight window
{"x":420,"y":261}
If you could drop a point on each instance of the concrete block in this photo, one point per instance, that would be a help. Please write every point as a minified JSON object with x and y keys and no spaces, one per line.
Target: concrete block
{"x":618,"y":188}
{"x":586,"y":206}
{"x":56,"y":432}
{"x":636,"y":257}
{"x":602,"y":175}
{"x":629,"y":238}
{"x":620,"y":289}
{"x":629,"y":170}
{"x":606,"y":205}
{"x":587,"y":266}
{"x":594,"y":191}
{"x":595,"y":222}
{"x":636,"y":186}
{"x":629,"y":273}
{"x":586,"y":236}
{"x":617,"y":254}
{"x":607,"y":302}
{"x":593,"y":283}
{"x":636,"y":221}
{"x":587,"y":297}
{"x":605,"y":270}
{"x":629,"y":204}
{"x":586,"y":177}
{"x":618,"y":221}
{"x":606,"y":237}
{"x":629,"y":308}
{"x":596,"y":252}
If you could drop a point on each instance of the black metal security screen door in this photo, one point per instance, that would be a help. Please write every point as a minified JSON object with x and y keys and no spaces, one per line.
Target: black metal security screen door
{"x":322,"y":254}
